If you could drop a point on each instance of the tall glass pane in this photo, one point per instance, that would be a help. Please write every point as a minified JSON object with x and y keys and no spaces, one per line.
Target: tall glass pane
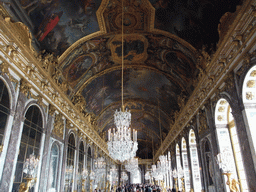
{"x":80,"y":166}
{"x":53,"y":169}
{"x":185,"y":165}
{"x":4,"y":109}
{"x":178,"y":164}
{"x":228,"y":141}
{"x":89,"y":165}
{"x":194,"y":162}
{"x":70,"y":164}
{"x":30,"y":143}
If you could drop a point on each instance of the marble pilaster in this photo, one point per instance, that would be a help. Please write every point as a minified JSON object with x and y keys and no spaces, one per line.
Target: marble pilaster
{"x":14,"y":142}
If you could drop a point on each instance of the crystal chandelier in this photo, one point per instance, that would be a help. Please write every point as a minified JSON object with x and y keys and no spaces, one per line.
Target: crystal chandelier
{"x":30,"y":166}
{"x":113,"y":174}
{"x":148,"y":175}
{"x":124,"y":176}
{"x":164,"y":164}
{"x":174,"y":173}
{"x":84,"y":174}
{"x":224,"y":160}
{"x":132,"y":165}
{"x":120,"y":145}
{"x":99,"y":166}
{"x":156,"y":172}
{"x":180,"y":172}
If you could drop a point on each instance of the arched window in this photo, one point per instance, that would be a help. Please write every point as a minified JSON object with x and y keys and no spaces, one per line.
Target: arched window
{"x":185,"y":164}
{"x":178,"y":165}
{"x":89,"y":167}
{"x":53,"y":168}
{"x":30,"y":143}
{"x":81,"y":164}
{"x":170,"y":169}
{"x":4,"y":109}
{"x":249,"y":100}
{"x":208,"y":165}
{"x":228,"y":140}
{"x":194,"y":162}
{"x":70,"y":163}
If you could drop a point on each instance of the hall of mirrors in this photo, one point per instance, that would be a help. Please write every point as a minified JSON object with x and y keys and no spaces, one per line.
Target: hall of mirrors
{"x":51,"y":142}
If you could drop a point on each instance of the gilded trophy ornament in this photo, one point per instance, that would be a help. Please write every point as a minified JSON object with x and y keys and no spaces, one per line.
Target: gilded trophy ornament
{"x":58,"y":126}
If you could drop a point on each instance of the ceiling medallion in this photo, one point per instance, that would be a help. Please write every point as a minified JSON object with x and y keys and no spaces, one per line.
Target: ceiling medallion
{"x":120,"y":145}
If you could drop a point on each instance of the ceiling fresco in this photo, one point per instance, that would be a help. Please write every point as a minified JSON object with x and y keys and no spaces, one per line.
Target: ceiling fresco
{"x":60,"y":23}
{"x":57,"y":24}
{"x":156,"y":52}
{"x":162,"y":42}
{"x":140,"y":83}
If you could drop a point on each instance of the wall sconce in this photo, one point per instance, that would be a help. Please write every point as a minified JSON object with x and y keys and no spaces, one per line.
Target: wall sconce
{"x":30,"y":168}
{"x":181,"y":175}
{"x":224,"y":160}
{"x":175,"y":176}
{"x":92,"y":177}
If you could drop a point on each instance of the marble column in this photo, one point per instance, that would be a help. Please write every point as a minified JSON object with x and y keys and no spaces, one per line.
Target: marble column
{"x":14,"y":143}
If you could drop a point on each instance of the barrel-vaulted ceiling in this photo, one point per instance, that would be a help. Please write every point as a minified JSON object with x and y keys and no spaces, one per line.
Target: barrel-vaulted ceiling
{"x":161,"y":39}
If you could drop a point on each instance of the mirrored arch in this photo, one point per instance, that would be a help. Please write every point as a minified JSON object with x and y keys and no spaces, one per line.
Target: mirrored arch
{"x":228,"y":141}
{"x":30,"y":142}
{"x":249,"y":101}
{"x":53,"y":168}
{"x":196,"y":177}
{"x":70,"y":163}
{"x":185,"y":164}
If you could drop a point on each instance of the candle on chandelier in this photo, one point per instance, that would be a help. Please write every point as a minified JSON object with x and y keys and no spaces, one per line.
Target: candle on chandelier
{"x":109,"y":132}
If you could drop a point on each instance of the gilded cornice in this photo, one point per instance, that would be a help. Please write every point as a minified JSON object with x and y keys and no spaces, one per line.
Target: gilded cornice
{"x":24,"y":63}
{"x":231,"y":51}
{"x":145,"y":161}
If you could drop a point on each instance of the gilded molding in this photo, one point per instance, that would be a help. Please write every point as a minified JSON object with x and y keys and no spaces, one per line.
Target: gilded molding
{"x":58,"y":126}
{"x":230,"y":52}
{"x":51,"y":110}
{"x":42,"y":78}
{"x":25,"y":87}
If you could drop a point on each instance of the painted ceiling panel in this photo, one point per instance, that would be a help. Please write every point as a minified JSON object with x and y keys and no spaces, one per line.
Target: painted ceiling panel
{"x":141,"y":83}
{"x":162,"y":42}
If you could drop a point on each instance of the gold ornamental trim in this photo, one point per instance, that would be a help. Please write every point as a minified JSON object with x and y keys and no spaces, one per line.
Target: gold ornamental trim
{"x":229,"y":54}
{"x":25,"y":63}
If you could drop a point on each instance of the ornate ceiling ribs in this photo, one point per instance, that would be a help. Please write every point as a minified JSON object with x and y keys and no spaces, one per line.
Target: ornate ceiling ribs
{"x":231,"y":51}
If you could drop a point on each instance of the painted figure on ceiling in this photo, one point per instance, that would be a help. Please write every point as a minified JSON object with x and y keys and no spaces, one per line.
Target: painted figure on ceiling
{"x":79,"y":67}
{"x":48,"y":24}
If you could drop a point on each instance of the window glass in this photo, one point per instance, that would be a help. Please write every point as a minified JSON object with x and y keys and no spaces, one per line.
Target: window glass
{"x":80,"y":166}
{"x":53,"y":168}
{"x":4,"y":109}
{"x":194,"y":162}
{"x":70,"y":164}
{"x":30,"y":143}
{"x":185,"y":165}
{"x":228,"y":141}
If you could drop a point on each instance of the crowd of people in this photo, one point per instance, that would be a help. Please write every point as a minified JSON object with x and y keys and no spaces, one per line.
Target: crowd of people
{"x":139,"y":188}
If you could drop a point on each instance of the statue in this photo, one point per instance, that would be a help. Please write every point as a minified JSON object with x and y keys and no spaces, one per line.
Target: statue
{"x":233,"y":186}
{"x":23,"y":188}
{"x":162,"y":186}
